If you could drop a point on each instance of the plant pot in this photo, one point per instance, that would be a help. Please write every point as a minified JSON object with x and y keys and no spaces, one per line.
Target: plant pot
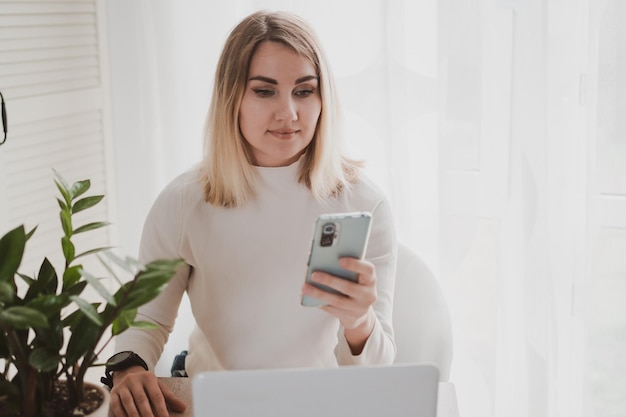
{"x":103,"y":410}
{"x":93,"y":391}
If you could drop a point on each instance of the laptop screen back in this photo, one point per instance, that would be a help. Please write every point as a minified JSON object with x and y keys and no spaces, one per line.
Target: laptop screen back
{"x":407,"y":390}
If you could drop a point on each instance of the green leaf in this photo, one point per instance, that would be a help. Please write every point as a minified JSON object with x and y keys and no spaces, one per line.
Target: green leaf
{"x":119,"y":326}
{"x":147,"y":284}
{"x":64,"y":190}
{"x":92,"y":251}
{"x":59,"y":178}
{"x":11,"y":251}
{"x":49,"y":304}
{"x":144,"y":325}
{"x":73,"y":319}
{"x":51,"y":338}
{"x":86,"y":203}
{"x":68,"y":249}
{"x":46,"y":282}
{"x":91,"y":226}
{"x":22,"y":318}
{"x":109,"y":268}
{"x":48,"y":275}
{"x":95,"y":283}
{"x":84,"y":339}
{"x":127,"y":264}
{"x":28,"y":280}
{"x":44,"y":360}
{"x":138,"y":298}
{"x":169,"y":265}
{"x":160,"y":269}
{"x":76,"y":289}
{"x":62,"y":205}
{"x":71,"y":276}
{"x":79,"y":188}
{"x":123,"y":321}
{"x":31,"y":233}
{"x":154,"y":278}
{"x":7,"y":292}
{"x":88,"y":310}
{"x":66,"y":222}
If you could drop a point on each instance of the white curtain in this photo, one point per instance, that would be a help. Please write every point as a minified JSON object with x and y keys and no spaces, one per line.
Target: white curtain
{"x":497,"y":129}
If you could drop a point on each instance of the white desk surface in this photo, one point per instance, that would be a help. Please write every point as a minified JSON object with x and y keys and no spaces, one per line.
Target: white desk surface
{"x":446,"y":403}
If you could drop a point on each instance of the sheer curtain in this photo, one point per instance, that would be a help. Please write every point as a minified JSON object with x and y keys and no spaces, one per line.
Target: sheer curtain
{"x":495,"y":127}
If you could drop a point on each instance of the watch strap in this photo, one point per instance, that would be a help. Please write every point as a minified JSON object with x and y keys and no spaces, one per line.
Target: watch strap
{"x":115,"y":364}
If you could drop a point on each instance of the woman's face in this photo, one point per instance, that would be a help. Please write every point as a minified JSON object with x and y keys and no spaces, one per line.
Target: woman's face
{"x":281,"y":105}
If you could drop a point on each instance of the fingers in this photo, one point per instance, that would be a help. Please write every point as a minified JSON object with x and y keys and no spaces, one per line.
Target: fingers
{"x":325,"y":296}
{"x":351,"y":292}
{"x":132,"y":404}
{"x":366,"y":270}
{"x":362,"y":292}
{"x":140,"y":394}
{"x":173,"y":402}
{"x":352,"y":306}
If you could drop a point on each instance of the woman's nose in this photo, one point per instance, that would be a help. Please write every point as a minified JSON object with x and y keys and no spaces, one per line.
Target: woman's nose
{"x":286,"y":110}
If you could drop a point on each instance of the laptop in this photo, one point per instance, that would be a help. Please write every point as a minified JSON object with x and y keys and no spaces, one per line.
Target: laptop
{"x":400,"y":390}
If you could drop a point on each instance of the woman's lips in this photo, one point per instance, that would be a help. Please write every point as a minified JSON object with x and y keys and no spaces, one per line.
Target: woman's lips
{"x":283,"y":133}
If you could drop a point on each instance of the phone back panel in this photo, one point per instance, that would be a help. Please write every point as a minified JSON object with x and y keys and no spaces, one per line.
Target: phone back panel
{"x":350,"y":233}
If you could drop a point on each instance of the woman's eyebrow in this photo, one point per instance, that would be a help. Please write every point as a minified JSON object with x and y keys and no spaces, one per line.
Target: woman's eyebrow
{"x":274,"y":82}
{"x":306,"y":78}
{"x":265,"y":79}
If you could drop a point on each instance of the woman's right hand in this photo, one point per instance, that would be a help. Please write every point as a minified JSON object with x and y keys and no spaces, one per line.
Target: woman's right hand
{"x":139,"y":393}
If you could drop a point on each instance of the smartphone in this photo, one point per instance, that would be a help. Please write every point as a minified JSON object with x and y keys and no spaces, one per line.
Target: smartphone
{"x":335,"y":236}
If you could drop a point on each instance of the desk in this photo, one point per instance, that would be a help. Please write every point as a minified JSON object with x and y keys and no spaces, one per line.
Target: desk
{"x":446,"y":402}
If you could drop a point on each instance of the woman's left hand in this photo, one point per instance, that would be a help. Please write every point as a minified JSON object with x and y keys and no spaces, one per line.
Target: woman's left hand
{"x":353,"y":307}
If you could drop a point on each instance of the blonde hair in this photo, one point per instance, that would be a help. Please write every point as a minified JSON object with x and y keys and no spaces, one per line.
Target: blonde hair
{"x":228,"y":173}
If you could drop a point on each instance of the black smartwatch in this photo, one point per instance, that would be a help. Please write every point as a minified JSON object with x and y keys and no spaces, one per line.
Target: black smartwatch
{"x":119,"y":362}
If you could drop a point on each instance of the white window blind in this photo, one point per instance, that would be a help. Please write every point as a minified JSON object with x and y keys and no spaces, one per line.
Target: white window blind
{"x":53,"y":75}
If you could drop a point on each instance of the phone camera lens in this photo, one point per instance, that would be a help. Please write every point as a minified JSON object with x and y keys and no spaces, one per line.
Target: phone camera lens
{"x":328,"y":234}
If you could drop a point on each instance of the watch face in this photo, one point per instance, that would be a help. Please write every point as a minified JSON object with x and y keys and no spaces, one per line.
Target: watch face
{"x":119,"y":358}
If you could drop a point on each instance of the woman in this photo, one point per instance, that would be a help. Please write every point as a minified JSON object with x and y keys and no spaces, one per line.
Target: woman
{"x":242,"y":223}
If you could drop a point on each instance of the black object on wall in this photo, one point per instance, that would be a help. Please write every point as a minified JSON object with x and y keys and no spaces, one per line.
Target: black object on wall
{"x":4,"y":119}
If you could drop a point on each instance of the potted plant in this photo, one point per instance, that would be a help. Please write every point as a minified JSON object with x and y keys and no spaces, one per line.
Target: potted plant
{"x":50,"y":335}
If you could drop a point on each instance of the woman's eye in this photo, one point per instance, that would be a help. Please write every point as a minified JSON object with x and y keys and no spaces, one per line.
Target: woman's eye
{"x":304,"y":93}
{"x":263,"y":92}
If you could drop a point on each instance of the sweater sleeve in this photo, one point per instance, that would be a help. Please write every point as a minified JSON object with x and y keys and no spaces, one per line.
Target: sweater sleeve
{"x":380,"y":347}
{"x":160,"y":240}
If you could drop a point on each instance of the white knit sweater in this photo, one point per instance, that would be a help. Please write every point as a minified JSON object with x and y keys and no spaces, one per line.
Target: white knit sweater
{"x":244,"y":271}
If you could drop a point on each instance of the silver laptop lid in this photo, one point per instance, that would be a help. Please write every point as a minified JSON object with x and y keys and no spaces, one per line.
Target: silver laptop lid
{"x":403,"y":390}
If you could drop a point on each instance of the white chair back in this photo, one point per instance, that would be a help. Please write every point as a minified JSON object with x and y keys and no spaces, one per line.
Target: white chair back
{"x":421,"y":319}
